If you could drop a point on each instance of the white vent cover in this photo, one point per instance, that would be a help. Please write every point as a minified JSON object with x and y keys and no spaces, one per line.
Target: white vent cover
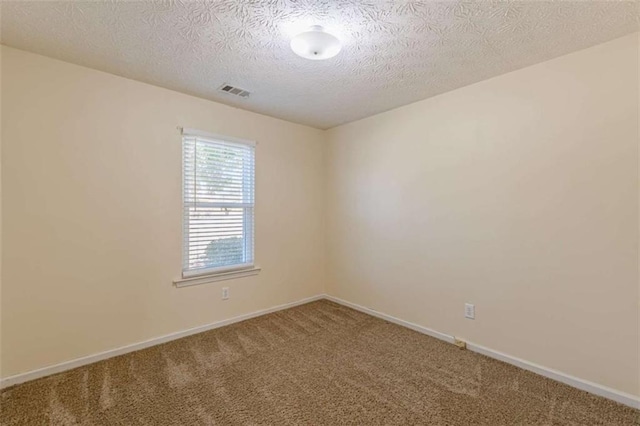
{"x":227,"y":88}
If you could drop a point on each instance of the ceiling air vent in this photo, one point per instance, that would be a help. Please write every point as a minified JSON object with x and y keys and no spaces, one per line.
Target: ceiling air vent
{"x":226,"y":88}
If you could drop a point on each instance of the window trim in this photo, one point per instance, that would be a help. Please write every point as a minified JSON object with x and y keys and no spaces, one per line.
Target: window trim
{"x":220,"y":276}
{"x":195,"y":273}
{"x":195,"y":132}
{"x":205,"y":275}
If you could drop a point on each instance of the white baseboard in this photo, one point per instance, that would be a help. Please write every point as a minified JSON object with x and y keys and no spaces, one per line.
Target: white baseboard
{"x":594,"y":388}
{"x":90,"y":359}
{"x":585,"y":385}
{"x":407,"y":324}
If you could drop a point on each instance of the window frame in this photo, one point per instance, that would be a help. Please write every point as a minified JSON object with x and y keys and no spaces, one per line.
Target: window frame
{"x":194,"y":276}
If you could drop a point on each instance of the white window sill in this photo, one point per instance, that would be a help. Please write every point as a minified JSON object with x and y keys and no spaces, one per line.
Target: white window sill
{"x":219,"y":276}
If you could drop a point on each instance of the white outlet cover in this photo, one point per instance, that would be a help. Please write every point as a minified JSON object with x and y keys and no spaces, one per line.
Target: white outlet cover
{"x":225,"y":293}
{"x":469,"y":311}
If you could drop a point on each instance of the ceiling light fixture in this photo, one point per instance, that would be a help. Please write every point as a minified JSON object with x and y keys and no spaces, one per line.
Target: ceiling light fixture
{"x":316,"y":44}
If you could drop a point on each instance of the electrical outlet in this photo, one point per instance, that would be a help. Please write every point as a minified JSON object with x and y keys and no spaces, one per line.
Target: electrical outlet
{"x":225,"y":293}
{"x":469,"y":311}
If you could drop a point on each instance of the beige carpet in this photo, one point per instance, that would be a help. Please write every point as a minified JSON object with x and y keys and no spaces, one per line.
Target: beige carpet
{"x":317,"y":364}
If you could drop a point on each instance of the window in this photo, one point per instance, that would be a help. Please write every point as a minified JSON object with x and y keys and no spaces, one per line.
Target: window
{"x":218,"y":198}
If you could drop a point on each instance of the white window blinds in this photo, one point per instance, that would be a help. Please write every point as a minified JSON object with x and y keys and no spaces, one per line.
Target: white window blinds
{"x":218,"y":197}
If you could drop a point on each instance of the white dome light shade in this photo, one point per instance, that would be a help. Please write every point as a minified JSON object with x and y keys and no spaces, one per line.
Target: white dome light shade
{"x":316,"y":44}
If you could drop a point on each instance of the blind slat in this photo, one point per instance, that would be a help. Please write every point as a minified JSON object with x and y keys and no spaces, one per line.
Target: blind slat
{"x":218,"y":194}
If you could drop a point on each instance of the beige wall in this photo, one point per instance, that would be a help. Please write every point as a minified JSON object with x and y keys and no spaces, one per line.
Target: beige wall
{"x":518,"y":194}
{"x":91,"y":187}
{"x":0,"y":217}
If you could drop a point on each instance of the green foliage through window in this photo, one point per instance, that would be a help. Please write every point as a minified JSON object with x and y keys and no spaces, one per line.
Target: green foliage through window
{"x":224,"y":251}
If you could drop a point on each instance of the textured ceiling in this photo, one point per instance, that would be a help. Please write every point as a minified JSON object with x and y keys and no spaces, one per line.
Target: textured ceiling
{"x":395,"y":52}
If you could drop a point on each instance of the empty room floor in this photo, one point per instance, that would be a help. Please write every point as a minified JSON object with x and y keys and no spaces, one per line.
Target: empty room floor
{"x":316,"y":364}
